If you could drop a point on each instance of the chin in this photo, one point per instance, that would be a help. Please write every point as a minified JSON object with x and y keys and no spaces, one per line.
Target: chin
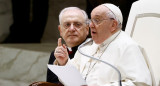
{"x":72,"y":41}
{"x":95,"y":40}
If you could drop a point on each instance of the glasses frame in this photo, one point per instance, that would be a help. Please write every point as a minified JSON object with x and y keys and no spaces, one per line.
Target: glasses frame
{"x":98,"y":22}
{"x":75,"y":24}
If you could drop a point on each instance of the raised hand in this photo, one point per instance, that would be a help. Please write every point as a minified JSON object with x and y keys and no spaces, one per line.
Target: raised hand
{"x":61,"y":53}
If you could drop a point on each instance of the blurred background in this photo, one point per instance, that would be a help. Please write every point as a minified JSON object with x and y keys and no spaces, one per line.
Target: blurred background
{"x":29,"y":33}
{"x":19,"y":19}
{"x":36,"y":21}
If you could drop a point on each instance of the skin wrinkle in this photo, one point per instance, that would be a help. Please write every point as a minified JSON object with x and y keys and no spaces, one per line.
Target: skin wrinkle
{"x":99,"y":13}
{"x":72,"y":35}
{"x":71,"y":32}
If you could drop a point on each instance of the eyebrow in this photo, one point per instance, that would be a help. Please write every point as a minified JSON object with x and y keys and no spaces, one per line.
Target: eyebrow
{"x":97,"y":16}
{"x":72,"y":22}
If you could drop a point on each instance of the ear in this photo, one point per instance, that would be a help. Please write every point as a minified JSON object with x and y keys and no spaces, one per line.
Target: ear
{"x":59,"y":28}
{"x":114,"y":26}
{"x":87,"y":28}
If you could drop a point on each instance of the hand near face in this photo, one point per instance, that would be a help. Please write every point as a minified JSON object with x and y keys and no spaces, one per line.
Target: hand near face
{"x":61,"y":53}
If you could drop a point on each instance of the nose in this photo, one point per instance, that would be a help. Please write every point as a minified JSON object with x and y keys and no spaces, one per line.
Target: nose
{"x":91,"y":25}
{"x":72,"y":28}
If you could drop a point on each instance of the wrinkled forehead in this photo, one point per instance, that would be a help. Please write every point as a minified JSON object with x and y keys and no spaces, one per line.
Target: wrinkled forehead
{"x":72,"y":16}
{"x":99,"y":11}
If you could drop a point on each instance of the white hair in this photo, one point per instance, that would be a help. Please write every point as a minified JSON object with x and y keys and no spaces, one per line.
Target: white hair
{"x":111,"y":15}
{"x":73,"y":8}
{"x":114,"y":13}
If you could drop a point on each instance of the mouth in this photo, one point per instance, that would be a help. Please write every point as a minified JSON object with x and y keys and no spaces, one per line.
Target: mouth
{"x":72,"y":35}
{"x":93,"y":32}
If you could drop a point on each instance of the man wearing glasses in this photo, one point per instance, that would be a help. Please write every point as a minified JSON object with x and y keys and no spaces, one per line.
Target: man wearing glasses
{"x":74,"y":30}
{"x":110,"y":44}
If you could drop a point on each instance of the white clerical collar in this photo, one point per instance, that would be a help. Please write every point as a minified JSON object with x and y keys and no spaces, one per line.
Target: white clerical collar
{"x":69,"y":48}
{"x":103,"y":45}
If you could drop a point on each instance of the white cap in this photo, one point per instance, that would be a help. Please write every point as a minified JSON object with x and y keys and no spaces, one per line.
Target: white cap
{"x":115,"y":10}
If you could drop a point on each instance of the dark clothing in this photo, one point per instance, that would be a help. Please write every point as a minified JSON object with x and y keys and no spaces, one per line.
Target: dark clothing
{"x":29,"y":21}
{"x":51,"y":77}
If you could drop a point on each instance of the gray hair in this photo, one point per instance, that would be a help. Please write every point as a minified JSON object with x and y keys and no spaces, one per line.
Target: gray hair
{"x":111,"y":15}
{"x":71,"y":8}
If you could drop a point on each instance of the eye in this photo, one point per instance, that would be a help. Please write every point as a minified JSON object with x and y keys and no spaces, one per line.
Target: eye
{"x":67,"y":25}
{"x":96,"y":21}
{"x":78,"y":24}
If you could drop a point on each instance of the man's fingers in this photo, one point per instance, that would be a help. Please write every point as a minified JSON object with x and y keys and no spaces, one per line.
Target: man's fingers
{"x":63,"y":49}
{"x":60,"y":42}
{"x":64,"y":46}
{"x":59,"y":55}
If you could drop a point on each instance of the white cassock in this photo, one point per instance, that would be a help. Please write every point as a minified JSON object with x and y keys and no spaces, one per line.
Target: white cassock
{"x":122,"y":52}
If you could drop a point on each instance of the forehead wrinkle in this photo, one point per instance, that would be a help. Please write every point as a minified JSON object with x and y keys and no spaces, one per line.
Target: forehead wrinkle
{"x":73,"y":15}
{"x":100,"y":11}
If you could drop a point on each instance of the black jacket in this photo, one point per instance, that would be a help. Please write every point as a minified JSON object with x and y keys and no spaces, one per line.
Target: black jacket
{"x":51,"y":77}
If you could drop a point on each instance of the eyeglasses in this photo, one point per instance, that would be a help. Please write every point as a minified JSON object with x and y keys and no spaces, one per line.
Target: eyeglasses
{"x":77,"y":25}
{"x":97,"y":21}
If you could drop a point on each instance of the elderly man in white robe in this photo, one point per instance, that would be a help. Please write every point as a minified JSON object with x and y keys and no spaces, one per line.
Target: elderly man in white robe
{"x":109,"y":43}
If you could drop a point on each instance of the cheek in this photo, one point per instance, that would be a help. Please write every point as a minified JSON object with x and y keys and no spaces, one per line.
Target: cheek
{"x":63,"y":34}
{"x":83,"y":32}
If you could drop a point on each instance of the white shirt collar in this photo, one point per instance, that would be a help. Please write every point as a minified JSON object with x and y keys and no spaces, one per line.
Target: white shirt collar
{"x":69,"y":48}
{"x":103,"y":45}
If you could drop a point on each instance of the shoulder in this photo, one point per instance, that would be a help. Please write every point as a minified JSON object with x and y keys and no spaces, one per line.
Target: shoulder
{"x":88,"y":40}
{"x":126,"y":40}
{"x":87,"y":43}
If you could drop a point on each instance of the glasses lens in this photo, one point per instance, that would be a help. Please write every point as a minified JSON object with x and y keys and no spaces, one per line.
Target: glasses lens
{"x":75,"y":24}
{"x":94,"y":21}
